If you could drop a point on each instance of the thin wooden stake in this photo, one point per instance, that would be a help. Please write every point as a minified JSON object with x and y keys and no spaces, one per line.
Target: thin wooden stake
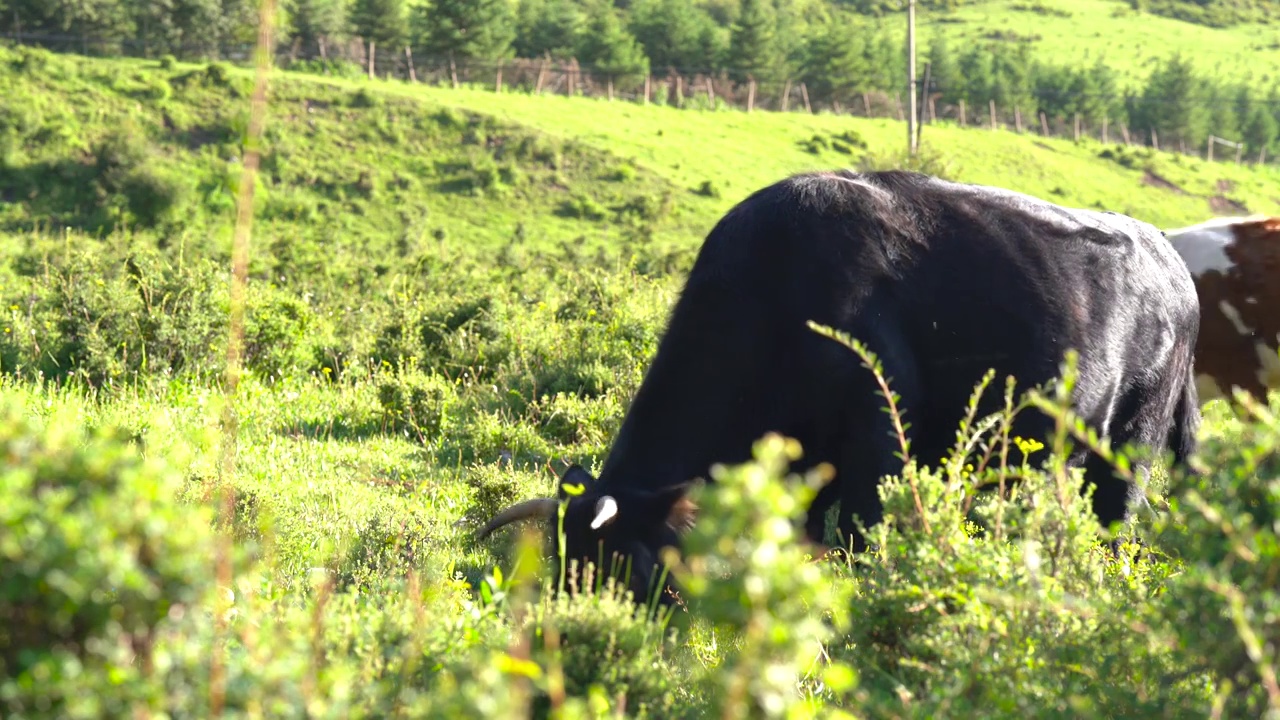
{"x":991,"y":105}
{"x":1017,"y":119}
{"x":711,"y":95}
{"x":1104,"y":130}
{"x":542,"y":75}
{"x":962,"y":117}
{"x":648,"y":81}
{"x":751,"y":94}
{"x":804,"y":93}
{"x":1077,"y":127}
{"x":786,"y":95}
{"x":609,"y":88}
{"x":497,"y":83}
{"x":1044,"y":124}
{"x":453,"y":72}
{"x":372,"y":51}
{"x":408,"y":55}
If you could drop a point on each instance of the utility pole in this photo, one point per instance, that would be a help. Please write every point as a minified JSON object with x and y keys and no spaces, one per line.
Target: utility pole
{"x":911,"y":75}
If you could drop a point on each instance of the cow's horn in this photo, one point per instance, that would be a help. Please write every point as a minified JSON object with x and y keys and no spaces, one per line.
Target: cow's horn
{"x":606,"y":510}
{"x":537,"y":507}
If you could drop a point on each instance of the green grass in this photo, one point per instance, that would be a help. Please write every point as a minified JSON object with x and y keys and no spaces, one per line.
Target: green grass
{"x":1082,"y":31}
{"x":738,"y":153}
{"x":404,"y":384}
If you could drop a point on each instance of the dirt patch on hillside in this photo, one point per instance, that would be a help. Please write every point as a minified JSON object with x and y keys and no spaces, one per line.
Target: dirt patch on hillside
{"x":1225,"y":186}
{"x":1039,"y":144}
{"x":1150,"y":178}
{"x":1223,"y":204}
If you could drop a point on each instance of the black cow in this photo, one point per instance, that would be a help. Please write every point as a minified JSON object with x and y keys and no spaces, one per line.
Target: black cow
{"x":942,"y":281}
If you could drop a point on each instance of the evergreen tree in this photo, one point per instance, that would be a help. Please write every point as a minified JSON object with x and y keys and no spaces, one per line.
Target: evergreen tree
{"x":943,"y":72}
{"x":1220,"y":116}
{"x":548,"y":27}
{"x":380,"y":21}
{"x":834,"y":65}
{"x":752,"y":48}
{"x":312,"y":21}
{"x":466,"y":29}
{"x":676,"y":34}
{"x":975,"y":77}
{"x":608,"y":48}
{"x":1168,"y":104}
{"x":1260,"y":128}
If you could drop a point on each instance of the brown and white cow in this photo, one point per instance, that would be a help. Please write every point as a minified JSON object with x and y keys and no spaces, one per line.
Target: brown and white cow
{"x":1235,"y":262}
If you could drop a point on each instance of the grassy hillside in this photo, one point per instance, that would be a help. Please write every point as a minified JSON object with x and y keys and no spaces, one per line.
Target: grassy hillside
{"x":1081,"y":31}
{"x":453,"y":295}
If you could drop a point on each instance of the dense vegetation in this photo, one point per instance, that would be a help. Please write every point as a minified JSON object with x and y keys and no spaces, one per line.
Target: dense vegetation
{"x":445,"y":305}
{"x":844,"y":54}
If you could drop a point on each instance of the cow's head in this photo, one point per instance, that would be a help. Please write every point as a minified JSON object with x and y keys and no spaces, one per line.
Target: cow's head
{"x":1236,"y":266}
{"x":621,"y":531}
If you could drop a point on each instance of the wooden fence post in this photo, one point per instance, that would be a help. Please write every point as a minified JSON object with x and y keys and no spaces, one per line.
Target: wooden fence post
{"x":609,"y":88}
{"x":1104,"y":130}
{"x":648,"y":81}
{"x":786,"y":95}
{"x":962,"y":118}
{"x":1077,"y":127}
{"x":1044,"y":124}
{"x":1017,"y":119}
{"x":1124,"y":132}
{"x":453,"y":72}
{"x":498,"y":81}
{"x":408,"y":55}
{"x":711,"y":95}
{"x":1208,"y":156}
{"x":804,"y":93}
{"x":1155,"y":139}
{"x":751,"y":94}
{"x":542,"y":74}
{"x":991,"y":105}
{"x":866,"y":104}
{"x":372,"y":50}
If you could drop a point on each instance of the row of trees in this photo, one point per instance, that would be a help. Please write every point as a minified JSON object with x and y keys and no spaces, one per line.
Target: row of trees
{"x":839,"y":51}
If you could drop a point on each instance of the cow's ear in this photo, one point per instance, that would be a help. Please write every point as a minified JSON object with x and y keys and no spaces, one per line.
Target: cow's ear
{"x":574,"y":475}
{"x":678,"y":506}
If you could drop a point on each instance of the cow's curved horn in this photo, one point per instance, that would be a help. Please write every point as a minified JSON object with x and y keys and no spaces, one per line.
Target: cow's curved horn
{"x":537,"y":507}
{"x":606,"y":510}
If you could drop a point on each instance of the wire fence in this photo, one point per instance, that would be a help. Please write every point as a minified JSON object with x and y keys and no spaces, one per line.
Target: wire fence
{"x":682,"y":88}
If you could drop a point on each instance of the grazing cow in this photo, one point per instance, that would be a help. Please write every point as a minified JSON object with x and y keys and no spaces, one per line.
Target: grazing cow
{"x":942,"y":281}
{"x":1235,"y":262}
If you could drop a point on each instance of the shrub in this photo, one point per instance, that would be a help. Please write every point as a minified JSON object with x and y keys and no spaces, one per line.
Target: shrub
{"x":415,"y":402}
{"x":96,"y":556}
{"x":1224,"y":525}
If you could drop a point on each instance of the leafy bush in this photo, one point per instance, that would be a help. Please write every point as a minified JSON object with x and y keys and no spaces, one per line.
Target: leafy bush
{"x":1224,"y":527}
{"x":415,"y":402}
{"x":96,"y":557}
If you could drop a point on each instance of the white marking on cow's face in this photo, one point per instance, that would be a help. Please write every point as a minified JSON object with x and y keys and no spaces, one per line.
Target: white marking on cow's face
{"x":1207,"y":388}
{"x":1251,"y":301}
{"x":1203,"y":247}
{"x":1234,"y":316}
{"x":1268,"y":365}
